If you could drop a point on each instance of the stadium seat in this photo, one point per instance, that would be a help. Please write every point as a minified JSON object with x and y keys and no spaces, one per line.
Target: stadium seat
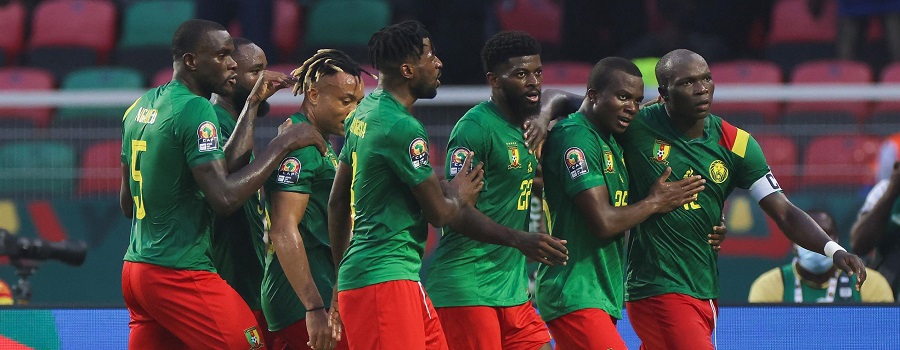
{"x":12,"y":25}
{"x":288,"y":24}
{"x":889,"y":75}
{"x":351,"y":37}
{"x":162,"y":76}
{"x":29,"y":79}
{"x":100,"y":171}
{"x":840,"y":160}
{"x":60,"y":61}
{"x":75,"y":23}
{"x":37,"y":168}
{"x":540,"y":18}
{"x":831,"y":72}
{"x":566,"y":73}
{"x":796,"y":36}
{"x":782,"y":155}
{"x":145,"y":44}
{"x":97,"y":79}
{"x":745,"y":73}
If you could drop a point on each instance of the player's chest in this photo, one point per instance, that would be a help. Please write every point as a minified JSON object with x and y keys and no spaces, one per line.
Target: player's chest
{"x":508,"y":159}
{"x":688,"y":158}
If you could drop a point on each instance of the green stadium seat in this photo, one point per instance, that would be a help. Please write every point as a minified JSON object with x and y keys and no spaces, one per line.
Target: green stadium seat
{"x":147,"y":31}
{"x":362,"y":19}
{"x":97,"y":79}
{"x":37,"y":168}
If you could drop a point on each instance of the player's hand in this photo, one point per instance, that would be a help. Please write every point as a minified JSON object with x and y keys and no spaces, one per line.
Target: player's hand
{"x":466,"y":185}
{"x":287,"y":122}
{"x":542,"y":248}
{"x":334,"y":320}
{"x":851,"y":264}
{"x":718,"y":236}
{"x":267,"y":84}
{"x":320,"y":336}
{"x":670,"y":195}
{"x":301,"y":135}
{"x":535,"y":134}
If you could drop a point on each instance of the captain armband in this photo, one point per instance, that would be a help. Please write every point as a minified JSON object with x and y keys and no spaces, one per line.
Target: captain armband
{"x":765,"y":186}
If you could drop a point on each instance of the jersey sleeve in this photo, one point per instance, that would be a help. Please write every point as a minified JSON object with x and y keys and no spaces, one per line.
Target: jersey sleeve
{"x":752,"y":165}
{"x":296,"y":171}
{"x":467,"y":136}
{"x":767,"y":288}
{"x":197,"y":129}
{"x":580,"y":162}
{"x":406,"y":152}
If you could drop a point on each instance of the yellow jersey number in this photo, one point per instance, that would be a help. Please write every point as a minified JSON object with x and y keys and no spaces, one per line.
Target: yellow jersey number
{"x":525,"y":197}
{"x":138,"y":146}
{"x":621,"y":199}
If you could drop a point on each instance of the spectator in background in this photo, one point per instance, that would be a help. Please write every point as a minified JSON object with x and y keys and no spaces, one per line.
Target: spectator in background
{"x":254,"y":16}
{"x":854,"y":16}
{"x":686,"y":25}
{"x":6,"y":297}
{"x":593,"y":29}
{"x":878,"y":229}
{"x":815,"y":279}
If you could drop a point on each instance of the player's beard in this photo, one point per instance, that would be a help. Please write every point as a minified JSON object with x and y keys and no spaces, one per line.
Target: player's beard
{"x":521,"y":106}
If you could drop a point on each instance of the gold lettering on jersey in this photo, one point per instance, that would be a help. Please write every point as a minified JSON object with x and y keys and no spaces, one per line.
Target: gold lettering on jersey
{"x":514,"y":159}
{"x":358,"y":128}
{"x":146,"y":115}
{"x":693,"y":205}
{"x":718,"y":171}
{"x":530,"y":169}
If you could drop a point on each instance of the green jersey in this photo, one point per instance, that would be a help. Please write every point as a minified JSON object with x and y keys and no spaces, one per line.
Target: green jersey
{"x":238,"y":249}
{"x":387,"y":148}
{"x":670,"y":253}
{"x":839,"y":288}
{"x":578,"y":157}
{"x":302,"y":171}
{"x":466,"y":272}
{"x":165,"y":133}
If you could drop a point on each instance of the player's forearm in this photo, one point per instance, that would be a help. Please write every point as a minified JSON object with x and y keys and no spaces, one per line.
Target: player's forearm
{"x":339,"y":215}
{"x":558,"y":103}
{"x":240,"y":145}
{"x":868,"y":230}
{"x":291,"y":254}
{"x":126,"y":203}
{"x":612,"y":222}
{"x":240,"y":185}
{"x":474,"y":224}
{"x":800,"y":228}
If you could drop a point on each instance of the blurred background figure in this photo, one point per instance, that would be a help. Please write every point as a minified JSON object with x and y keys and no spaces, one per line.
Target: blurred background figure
{"x":876,"y":232}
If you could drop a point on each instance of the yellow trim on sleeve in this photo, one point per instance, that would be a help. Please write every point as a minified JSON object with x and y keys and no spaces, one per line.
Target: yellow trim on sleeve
{"x":129,"y":109}
{"x":740,"y":143}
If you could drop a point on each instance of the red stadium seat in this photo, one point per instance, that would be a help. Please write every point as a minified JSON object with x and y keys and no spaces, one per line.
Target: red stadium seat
{"x":566,"y":73}
{"x":840,"y":160}
{"x":889,"y":75}
{"x":540,"y":18}
{"x":162,"y":76}
{"x":80,"y":23}
{"x":27,"y":79}
{"x":101,"y":170}
{"x":288,"y":28}
{"x":744,"y":73}
{"x":12,"y":25}
{"x":831,"y":72}
{"x":792,"y":23}
{"x":782,"y":155}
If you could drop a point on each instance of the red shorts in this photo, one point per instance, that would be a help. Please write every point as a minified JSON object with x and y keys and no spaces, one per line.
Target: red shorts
{"x":586,"y":329}
{"x":673,"y":321}
{"x":391,"y":315}
{"x":486,"y":327}
{"x":267,"y":335}
{"x":295,"y":337}
{"x":172,"y":308}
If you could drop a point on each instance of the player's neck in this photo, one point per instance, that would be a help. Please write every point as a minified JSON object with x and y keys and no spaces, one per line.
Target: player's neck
{"x":512,"y":115}
{"x":227,"y":104}
{"x":307,"y":110}
{"x":595,"y":121}
{"x":188,"y":81}
{"x":690,"y":128}
{"x":814,"y":278}
{"x":400,"y":90}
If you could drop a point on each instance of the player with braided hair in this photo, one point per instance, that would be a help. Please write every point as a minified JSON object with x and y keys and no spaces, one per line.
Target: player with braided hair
{"x":300,"y":273}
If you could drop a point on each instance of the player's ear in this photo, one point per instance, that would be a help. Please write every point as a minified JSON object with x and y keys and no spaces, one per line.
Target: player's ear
{"x":312,"y":94}
{"x":407,"y":71}
{"x":493,"y":79}
{"x":664,"y":92}
{"x":189,"y":60}
{"x":591,"y":95}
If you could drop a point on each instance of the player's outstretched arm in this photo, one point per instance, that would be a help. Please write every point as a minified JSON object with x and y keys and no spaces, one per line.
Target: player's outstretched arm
{"x":608,"y":221}
{"x":240,"y":145}
{"x":536,"y":246}
{"x":558,"y":103}
{"x":126,"y":202}
{"x":441,"y":201}
{"x":801,"y":229}
{"x":869,"y":228}
{"x":288,"y":209}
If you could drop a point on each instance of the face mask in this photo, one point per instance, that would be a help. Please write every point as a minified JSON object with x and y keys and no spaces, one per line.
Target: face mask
{"x":813,"y":262}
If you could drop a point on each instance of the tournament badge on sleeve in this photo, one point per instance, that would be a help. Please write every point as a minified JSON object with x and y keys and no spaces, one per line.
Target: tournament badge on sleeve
{"x":207,"y":137}
{"x":576,"y":162}
{"x":418,"y":152}
{"x":288,"y":171}
{"x":457,"y":158}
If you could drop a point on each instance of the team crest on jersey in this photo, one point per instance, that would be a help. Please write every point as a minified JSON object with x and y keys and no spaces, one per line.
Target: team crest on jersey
{"x":515,"y":161}
{"x":661,"y":151}
{"x":288,"y":171}
{"x":253,"y":338}
{"x":718,"y":171}
{"x":457,"y":158}
{"x":576,"y":162}
{"x":609,"y":160}
{"x":207,"y":137}
{"x":418,"y":152}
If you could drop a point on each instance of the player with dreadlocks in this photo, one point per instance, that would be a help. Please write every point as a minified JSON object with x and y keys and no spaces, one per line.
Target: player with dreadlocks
{"x":385,"y":174}
{"x":299,"y":272}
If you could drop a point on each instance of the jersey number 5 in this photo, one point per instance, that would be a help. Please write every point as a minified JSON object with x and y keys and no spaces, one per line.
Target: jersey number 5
{"x":137,"y":147}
